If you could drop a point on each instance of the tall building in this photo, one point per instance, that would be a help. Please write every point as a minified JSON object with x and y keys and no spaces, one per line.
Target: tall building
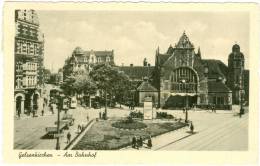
{"x":84,"y":60}
{"x":235,"y":73}
{"x":29,"y":55}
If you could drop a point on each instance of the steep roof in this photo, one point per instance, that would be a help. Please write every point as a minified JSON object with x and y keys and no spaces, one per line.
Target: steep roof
{"x":184,"y":42}
{"x":137,"y":72}
{"x":99,"y":53}
{"x":216,"y":68}
{"x":163,"y":58}
{"x":217,"y":86}
{"x":146,"y":87}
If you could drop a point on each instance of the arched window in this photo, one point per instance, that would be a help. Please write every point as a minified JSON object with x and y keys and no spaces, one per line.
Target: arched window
{"x":184,"y":80}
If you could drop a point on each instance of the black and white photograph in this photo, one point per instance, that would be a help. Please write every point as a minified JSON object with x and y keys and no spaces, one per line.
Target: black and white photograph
{"x":124,"y":80}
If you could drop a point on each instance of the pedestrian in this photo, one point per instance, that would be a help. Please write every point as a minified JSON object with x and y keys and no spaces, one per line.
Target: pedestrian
{"x":104,"y":116}
{"x":68,"y":137}
{"x":141,"y":141}
{"x":191,"y":127}
{"x":137,"y":143}
{"x":19,"y":112}
{"x":183,"y":110}
{"x":99,"y":115}
{"x":87,"y":117}
{"x":82,"y":127}
{"x":42,"y":112}
{"x":79,"y":128}
{"x":33,"y":113}
{"x":134,"y":142}
{"x":149,"y":144}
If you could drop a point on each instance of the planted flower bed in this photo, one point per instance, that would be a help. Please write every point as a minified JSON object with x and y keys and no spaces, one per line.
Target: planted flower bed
{"x":103,"y":136}
{"x":129,"y":124}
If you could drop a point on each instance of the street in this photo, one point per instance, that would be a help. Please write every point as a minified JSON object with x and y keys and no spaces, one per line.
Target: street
{"x":213,"y":131}
{"x":220,"y":131}
{"x":29,"y":132}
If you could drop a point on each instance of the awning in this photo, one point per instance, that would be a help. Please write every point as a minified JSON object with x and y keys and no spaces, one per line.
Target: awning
{"x":183,"y":94}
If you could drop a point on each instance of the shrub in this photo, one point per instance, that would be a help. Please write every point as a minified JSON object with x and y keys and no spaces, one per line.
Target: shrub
{"x":136,"y":114}
{"x":163,"y":115}
{"x":126,"y":124}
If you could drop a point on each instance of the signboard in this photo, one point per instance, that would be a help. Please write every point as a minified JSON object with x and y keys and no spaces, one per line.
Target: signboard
{"x":148,"y":108}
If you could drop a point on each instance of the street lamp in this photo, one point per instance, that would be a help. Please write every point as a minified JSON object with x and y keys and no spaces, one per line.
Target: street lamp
{"x":184,"y":82}
{"x":59,"y":97}
{"x":241,"y":97}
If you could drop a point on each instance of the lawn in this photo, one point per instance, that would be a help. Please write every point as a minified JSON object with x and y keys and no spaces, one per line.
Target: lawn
{"x":102,"y":136}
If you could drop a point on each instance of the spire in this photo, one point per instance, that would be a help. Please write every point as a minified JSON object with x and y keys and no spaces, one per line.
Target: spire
{"x":199,"y":53}
{"x":184,"y":42}
{"x":170,"y":50}
{"x":157,"y":50}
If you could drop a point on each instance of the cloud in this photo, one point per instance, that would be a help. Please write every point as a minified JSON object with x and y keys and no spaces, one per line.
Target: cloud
{"x":134,"y":36}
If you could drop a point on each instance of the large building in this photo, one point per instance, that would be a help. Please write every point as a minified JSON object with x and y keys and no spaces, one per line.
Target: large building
{"x":84,"y":60}
{"x":29,"y":55}
{"x":181,"y":77}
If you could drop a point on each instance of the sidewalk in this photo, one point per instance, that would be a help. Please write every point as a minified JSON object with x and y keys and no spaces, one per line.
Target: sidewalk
{"x":163,"y":140}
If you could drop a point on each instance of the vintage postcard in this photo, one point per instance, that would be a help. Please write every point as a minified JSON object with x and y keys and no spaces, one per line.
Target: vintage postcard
{"x":131,"y":83}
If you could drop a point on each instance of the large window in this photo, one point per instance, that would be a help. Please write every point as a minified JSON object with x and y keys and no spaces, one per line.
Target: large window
{"x":183,"y":80}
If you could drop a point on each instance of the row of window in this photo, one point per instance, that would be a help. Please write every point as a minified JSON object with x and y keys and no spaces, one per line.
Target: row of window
{"x":92,"y":59}
{"x":183,"y":74}
{"x":26,"y":30}
{"x":28,"y":15}
{"x":26,"y":66}
{"x":26,"y":81}
{"x":23,"y":47}
{"x":181,"y":88}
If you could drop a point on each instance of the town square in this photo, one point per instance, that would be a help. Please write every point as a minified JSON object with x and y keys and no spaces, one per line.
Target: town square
{"x":113,"y":80}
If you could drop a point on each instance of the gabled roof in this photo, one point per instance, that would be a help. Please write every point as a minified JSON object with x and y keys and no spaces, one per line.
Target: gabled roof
{"x":137,"y":72}
{"x":163,"y":58}
{"x":146,"y":87}
{"x":218,"y":87}
{"x":184,"y":42}
{"x":216,"y":68}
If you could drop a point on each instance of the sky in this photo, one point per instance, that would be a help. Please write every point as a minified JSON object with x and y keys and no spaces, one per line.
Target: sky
{"x":135,"y":35}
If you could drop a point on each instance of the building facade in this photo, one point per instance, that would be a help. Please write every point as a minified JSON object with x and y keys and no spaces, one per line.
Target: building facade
{"x":184,"y":79}
{"x":29,"y":55}
{"x":84,"y":60}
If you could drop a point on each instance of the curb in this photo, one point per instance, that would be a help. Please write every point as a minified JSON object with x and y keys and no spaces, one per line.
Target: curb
{"x":80,"y":135}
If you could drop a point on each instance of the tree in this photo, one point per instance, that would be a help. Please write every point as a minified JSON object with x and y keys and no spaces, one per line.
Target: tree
{"x":109,"y":80}
{"x":121,"y":87}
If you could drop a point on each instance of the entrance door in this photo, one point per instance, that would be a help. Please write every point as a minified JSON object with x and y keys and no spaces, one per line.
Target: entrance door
{"x":179,"y":102}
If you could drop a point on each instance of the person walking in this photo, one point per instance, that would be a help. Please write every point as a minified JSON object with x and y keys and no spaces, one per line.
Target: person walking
{"x":149,"y":143}
{"x":87,"y":117}
{"x":79,"y":128}
{"x":134,"y":142}
{"x":141,"y":141}
{"x":191,"y":127}
{"x":68,"y":137}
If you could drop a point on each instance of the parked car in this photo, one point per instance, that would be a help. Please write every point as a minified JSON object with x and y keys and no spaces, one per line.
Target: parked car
{"x":96,"y":105}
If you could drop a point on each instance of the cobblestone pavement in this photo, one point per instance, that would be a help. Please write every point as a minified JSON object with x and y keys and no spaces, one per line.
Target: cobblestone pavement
{"x":219,"y":131}
{"x":29,"y":132}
